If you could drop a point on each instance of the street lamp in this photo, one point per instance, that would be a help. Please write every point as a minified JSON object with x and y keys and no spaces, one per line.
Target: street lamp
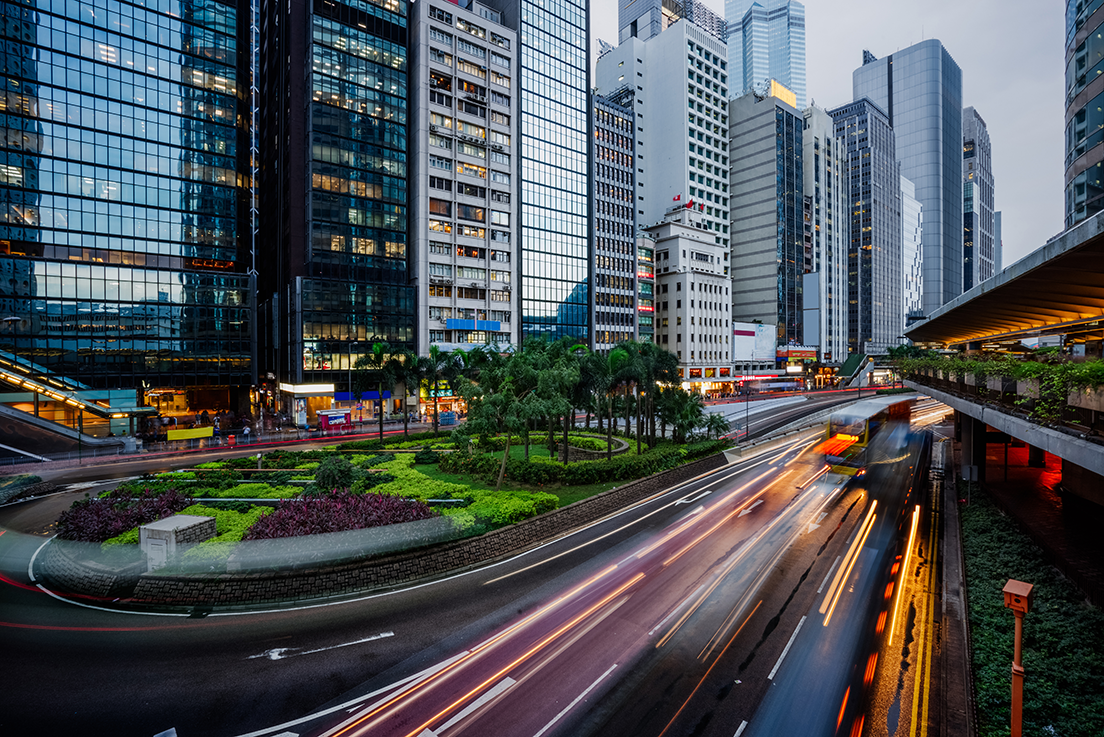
{"x":1018,"y":597}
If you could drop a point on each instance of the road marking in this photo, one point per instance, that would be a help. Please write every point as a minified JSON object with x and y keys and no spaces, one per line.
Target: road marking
{"x":578,"y":698}
{"x":815,"y":525}
{"x":748,"y":510}
{"x":740,"y":731}
{"x":785,"y":650}
{"x":691,"y":499}
{"x":829,"y":573}
{"x":491,"y":695}
{"x":674,"y":611}
{"x":280,"y":653}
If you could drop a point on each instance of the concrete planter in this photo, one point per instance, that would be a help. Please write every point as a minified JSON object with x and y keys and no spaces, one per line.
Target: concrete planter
{"x":1092,"y":399}
{"x":1028,"y":389}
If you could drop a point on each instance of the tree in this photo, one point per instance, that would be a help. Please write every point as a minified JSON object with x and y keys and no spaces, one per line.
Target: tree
{"x":407,"y":370}
{"x":377,"y":361}
{"x":716,"y":425}
{"x":438,"y":366}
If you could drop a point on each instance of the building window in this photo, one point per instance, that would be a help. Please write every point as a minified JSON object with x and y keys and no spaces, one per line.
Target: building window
{"x":500,"y":79}
{"x":439,"y":226}
{"x":470,"y":212}
{"x":471,"y":190}
{"x":440,"y":57}
{"x":500,"y":41}
{"x":439,"y":248}
{"x":471,"y":170}
{"x":440,"y":183}
{"x":471,"y":150}
{"x":500,"y":218}
{"x":471,"y":68}
{"x":501,"y":276}
{"x":441,"y":15}
{"x":500,"y":118}
{"x":441,"y":121}
{"x":440,"y":207}
{"x":500,"y":138}
{"x":471,"y":28}
{"x":469,"y":48}
{"x":440,"y":98}
{"x":500,"y":99}
{"x":500,"y":295}
{"x":443,"y":164}
{"x":472,"y":231}
{"x":499,"y":177}
{"x":444,"y":270}
{"x":439,"y":36}
{"x":440,"y":290}
{"x":500,"y":60}
{"x":497,"y":157}
{"x":440,"y":141}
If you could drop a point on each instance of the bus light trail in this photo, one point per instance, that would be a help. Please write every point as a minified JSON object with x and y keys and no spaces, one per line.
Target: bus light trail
{"x":904,"y":572}
{"x":844,"y":571}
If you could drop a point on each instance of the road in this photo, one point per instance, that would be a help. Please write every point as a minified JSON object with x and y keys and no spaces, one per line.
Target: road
{"x":570,"y":626}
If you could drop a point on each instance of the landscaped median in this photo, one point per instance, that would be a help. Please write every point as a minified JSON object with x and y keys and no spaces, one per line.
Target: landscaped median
{"x":295,"y":525}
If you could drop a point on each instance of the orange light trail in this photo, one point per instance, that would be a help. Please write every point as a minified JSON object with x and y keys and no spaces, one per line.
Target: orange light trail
{"x":848,"y":563}
{"x":904,"y":571}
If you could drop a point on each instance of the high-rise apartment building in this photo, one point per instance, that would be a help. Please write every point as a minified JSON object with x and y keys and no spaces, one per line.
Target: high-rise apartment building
{"x":612,"y":185}
{"x":766,"y":40}
{"x":125,"y":241}
{"x":679,"y":86}
{"x":920,"y":91}
{"x":874,"y":256}
{"x":333,"y":129}
{"x":826,"y":191}
{"x":768,"y":206}
{"x":645,"y":19}
{"x":694,"y":319}
{"x":978,"y":253}
{"x":463,"y":199}
{"x":551,"y":82}
{"x":1084,"y":110}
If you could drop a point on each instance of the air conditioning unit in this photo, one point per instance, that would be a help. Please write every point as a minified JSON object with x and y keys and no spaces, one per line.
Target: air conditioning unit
{"x":432,"y":129}
{"x":496,"y":146}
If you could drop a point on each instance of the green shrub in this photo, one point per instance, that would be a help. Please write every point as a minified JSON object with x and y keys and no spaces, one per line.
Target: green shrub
{"x":130,"y":537}
{"x":427,"y":456}
{"x":254,"y":491}
{"x":230,"y":527}
{"x":586,"y":442}
{"x":361,"y":445}
{"x":335,"y":473}
{"x":212,"y":464}
{"x":176,"y":476}
{"x":309,"y":466}
{"x":369,"y":481}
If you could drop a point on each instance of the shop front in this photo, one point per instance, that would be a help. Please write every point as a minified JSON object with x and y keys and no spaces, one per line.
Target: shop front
{"x":300,"y":403}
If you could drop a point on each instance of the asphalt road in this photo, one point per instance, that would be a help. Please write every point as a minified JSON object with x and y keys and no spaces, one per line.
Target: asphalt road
{"x":569,"y":625}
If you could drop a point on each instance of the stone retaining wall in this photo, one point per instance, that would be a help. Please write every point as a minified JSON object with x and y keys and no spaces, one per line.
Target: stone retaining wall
{"x":217,"y":589}
{"x":67,"y":566}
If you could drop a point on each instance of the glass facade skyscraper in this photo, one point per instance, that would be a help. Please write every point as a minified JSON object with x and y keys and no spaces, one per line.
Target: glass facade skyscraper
{"x":553,"y":191}
{"x":766,"y":40}
{"x":977,"y":201}
{"x":1084,"y":110}
{"x":333,"y":132}
{"x":125,"y":234}
{"x":920,"y":90}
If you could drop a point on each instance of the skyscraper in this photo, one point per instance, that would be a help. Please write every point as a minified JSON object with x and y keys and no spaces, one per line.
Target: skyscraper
{"x":912,"y":222}
{"x":920,"y":91}
{"x":874,"y":253}
{"x":978,"y":253}
{"x":463,"y":201}
{"x":551,"y":82}
{"x":768,"y":206}
{"x":614,"y":237}
{"x":1084,"y":110}
{"x":125,"y":240}
{"x":645,"y":19}
{"x":766,"y":40}
{"x":333,"y":131}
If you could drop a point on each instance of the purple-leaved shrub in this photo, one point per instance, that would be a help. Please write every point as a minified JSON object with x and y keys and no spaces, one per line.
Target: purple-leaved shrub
{"x":336,"y":512}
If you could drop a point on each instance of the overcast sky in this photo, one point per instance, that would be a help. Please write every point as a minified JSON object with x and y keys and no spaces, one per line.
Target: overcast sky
{"x":1012,"y":58}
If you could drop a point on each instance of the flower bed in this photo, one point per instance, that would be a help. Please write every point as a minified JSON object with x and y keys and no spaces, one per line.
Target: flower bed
{"x":336,"y":513}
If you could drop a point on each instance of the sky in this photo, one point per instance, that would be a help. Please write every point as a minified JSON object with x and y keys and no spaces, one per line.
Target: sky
{"x":1012,"y":55}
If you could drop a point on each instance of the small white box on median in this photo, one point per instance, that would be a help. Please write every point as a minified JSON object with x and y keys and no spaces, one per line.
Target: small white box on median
{"x":164,"y":539}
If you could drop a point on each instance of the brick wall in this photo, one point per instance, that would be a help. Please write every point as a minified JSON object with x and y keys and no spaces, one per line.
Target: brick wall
{"x":265,"y":587}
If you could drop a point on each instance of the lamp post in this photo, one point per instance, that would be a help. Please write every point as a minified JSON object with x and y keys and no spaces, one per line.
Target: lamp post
{"x":1018,"y":597}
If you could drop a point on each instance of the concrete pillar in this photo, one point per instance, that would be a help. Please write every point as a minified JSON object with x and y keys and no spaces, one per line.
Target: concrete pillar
{"x":1036,"y":457}
{"x":958,"y":419}
{"x":980,"y":438}
{"x":973,"y":444}
{"x":1082,"y":482}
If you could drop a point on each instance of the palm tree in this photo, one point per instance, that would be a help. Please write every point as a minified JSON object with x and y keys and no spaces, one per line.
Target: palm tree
{"x":377,"y":360}
{"x":406,"y":369}
{"x":439,"y":366}
{"x":716,"y":425}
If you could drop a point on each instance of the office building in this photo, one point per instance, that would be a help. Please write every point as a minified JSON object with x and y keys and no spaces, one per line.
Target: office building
{"x":920,"y":91}
{"x":874,"y":256}
{"x":694,"y":320}
{"x":978,"y":251}
{"x":464,"y":158}
{"x":551,"y":83}
{"x":678,"y":82}
{"x":768,"y":204}
{"x":912,"y":224}
{"x":333,"y":130}
{"x":645,"y":289}
{"x":826,"y":220}
{"x":612,"y":183}
{"x":1084,"y":163}
{"x":125,"y":241}
{"x":645,"y":19}
{"x":998,"y":243}
{"x":766,"y":40}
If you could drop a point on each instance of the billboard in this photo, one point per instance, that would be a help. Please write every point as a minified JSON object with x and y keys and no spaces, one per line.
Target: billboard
{"x":753,"y":342}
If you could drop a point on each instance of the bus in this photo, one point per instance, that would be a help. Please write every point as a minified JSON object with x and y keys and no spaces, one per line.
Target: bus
{"x":851,"y":430}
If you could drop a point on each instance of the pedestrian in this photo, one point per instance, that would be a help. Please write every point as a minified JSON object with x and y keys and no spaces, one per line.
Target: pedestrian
{"x":245,"y":432}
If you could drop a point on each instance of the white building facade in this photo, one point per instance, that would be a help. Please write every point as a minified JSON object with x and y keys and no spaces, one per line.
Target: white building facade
{"x":463,"y":218}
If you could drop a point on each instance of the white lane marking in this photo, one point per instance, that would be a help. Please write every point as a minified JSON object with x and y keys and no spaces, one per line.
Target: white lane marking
{"x":786,"y":649}
{"x":491,"y":695}
{"x":740,"y":731}
{"x":280,"y":653}
{"x":691,"y":499}
{"x":409,"y":681}
{"x":814,"y":525}
{"x":675,"y":611}
{"x":829,"y":573}
{"x":578,"y":698}
{"x":748,"y":510}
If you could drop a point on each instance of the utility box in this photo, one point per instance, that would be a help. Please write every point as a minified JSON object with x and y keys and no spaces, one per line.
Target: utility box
{"x":167,"y":538}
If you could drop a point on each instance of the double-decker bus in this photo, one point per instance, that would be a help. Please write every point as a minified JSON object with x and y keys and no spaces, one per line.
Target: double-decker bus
{"x":851,"y":430}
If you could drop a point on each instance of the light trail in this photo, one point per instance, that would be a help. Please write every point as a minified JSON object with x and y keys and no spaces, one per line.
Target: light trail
{"x":904,"y":572}
{"x":844,"y":572}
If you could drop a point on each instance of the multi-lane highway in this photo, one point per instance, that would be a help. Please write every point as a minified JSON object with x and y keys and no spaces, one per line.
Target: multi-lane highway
{"x":714,"y":607}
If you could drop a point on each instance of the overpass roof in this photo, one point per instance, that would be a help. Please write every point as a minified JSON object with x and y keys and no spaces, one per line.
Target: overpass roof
{"x":1058,"y":289}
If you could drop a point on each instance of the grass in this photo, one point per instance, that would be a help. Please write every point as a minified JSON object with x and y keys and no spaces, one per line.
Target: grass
{"x":566,"y":494}
{"x":1064,"y":687}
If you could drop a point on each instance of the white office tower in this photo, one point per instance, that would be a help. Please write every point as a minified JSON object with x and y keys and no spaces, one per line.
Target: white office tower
{"x":912,"y":220}
{"x":766,"y":40}
{"x":463,"y":217}
{"x":680,"y":84}
{"x":920,"y":91}
{"x":693,"y":301}
{"x":825,"y":290}
{"x":646,"y":19}
{"x":978,"y":223}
